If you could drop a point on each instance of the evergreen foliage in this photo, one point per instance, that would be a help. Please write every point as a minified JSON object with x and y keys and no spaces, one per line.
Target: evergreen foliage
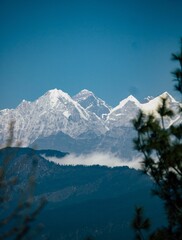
{"x":161,"y":146}
{"x":139,"y":223}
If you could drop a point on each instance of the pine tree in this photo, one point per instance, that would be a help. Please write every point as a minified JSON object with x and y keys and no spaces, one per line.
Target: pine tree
{"x":161,"y":147}
{"x":140,"y":224}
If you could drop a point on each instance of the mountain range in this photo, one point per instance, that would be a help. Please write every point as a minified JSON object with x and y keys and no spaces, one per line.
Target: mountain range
{"x":82,"y":200}
{"x":80,"y":124}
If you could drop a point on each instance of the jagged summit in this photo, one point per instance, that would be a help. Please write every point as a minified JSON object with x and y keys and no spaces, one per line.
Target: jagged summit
{"x":92,"y":103}
{"x":152,"y":105}
{"x":56,"y":98}
{"x":57,"y":93}
{"x":130,"y":98}
{"x":126,"y":109}
{"x":168,"y":96}
{"x":24,"y":102}
{"x":129,"y":107}
{"x":85,"y":92}
{"x":55,"y":90}
{"x":85,"y":120}
{"x":53,"y":112}
{"x":122,"y":103}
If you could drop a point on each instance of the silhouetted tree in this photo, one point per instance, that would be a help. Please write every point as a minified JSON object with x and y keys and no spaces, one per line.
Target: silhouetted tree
{"x":161,"y":146}
{"x":140,"y":224}
{"x":17,"y":212}
{"x":89,"y":238}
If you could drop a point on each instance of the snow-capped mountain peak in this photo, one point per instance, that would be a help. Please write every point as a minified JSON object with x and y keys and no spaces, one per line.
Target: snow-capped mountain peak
{"x":124,"y":102}
{"x":54,"y":95}
{"x":59,"y":101}
{"x":168,"y":96}
{"x":83,"y":94}
{"x":84,"y":121}
{"x":129,"y":99}
{"x":153,"y":104}
{"x":51,"y":113}
{"x":123,"y":113}
{"x":92,"y":103}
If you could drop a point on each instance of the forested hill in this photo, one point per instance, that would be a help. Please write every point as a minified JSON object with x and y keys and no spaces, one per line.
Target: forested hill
{"x":82,"y":201}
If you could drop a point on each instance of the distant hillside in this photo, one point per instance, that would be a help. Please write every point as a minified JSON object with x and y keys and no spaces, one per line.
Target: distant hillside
{"x":82,"y":201}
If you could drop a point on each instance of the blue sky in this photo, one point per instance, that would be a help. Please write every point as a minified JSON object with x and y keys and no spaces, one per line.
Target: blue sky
{"x":113,"y":48}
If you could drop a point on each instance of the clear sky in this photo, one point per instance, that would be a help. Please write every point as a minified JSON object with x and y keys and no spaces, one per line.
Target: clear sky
{"x":113,"y":48}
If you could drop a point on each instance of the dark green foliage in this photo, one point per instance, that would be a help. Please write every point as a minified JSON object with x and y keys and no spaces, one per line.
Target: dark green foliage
{"x":140,"y":224}
{"x":89,"y":238}
{"x":177,"y":73}
{"x":161,"y":145}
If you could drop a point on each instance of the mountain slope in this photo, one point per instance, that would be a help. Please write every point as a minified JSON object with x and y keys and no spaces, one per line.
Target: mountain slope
{"x":57,"y":121}
{"x":53,"y":112}
{"x":92,"y":103}
{"x":84,"y":201}
{"x":153,"y":104}
{"x":122,"y":114}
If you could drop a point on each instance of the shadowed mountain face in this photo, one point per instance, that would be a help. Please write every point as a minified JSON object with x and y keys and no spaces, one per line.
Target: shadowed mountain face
{"x":85,"y":201}
{"x":92,"y":103}
{"x":118,"y":141}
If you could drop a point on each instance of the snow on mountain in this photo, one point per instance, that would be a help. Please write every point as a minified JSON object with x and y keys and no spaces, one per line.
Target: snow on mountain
{"x":92,"y":103}
{"x":122,"y":114}
{"x":53,"y":112}
{"x":77,"y":124}
{"x":58,"y":100}
{"x":153,"y":104}
{"x":126,"y":100}
{"x":128,"y":108}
